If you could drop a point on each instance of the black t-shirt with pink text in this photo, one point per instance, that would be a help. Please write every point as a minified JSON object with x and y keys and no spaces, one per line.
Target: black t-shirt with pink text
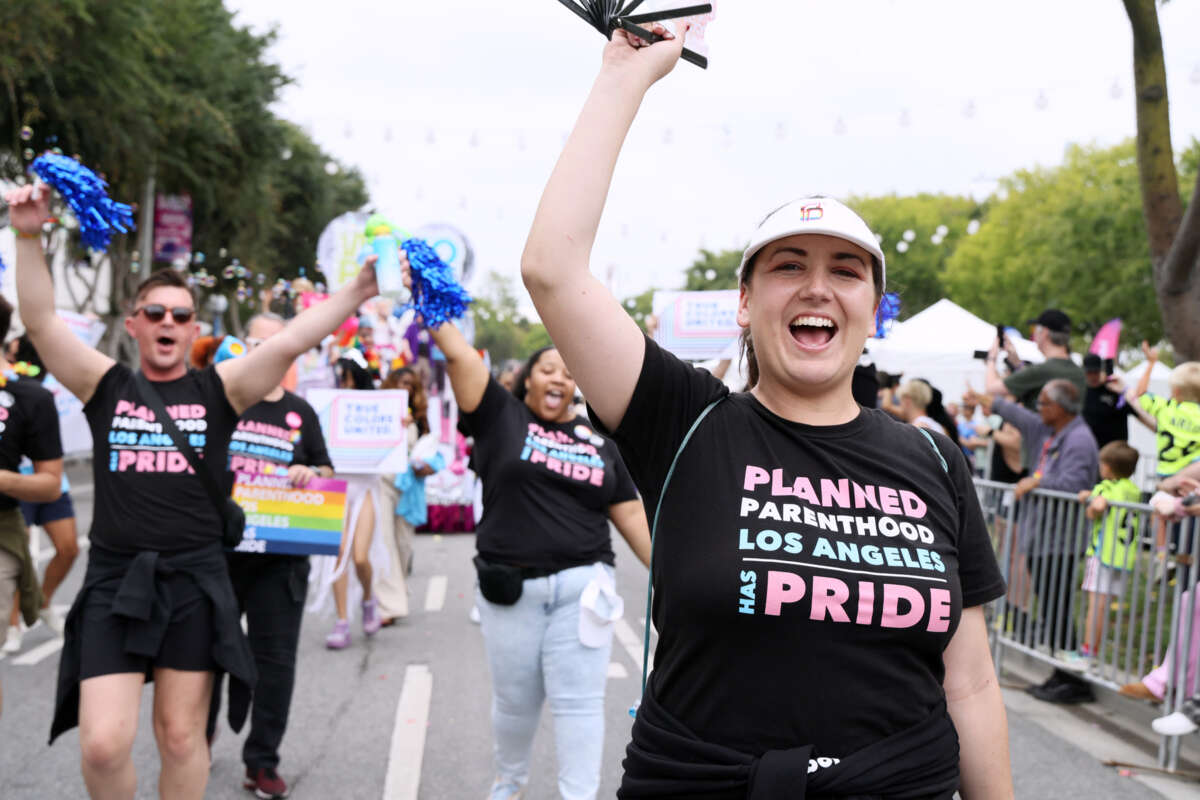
{"x":806,"y":578}
{"x":147,"y":496}
{"x":28,"y":426}
{"x":547,"y":487}
{"x":272,"y":435}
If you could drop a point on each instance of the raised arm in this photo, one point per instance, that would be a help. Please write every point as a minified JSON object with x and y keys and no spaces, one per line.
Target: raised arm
{"x":248,"y":380}
{"x":75,"y":365}
{"x":600,"y":343}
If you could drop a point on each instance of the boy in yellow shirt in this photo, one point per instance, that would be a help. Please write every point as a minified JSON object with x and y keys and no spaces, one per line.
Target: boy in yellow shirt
{"x":1114,"y":546}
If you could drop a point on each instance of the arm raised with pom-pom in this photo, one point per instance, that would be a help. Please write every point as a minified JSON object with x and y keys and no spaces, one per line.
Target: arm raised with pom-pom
{"x":600,"y":343}
{"x":248,"y":380}
{"x":75,"y":365}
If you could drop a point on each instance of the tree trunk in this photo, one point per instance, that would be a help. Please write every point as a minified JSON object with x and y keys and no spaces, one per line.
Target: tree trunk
{"x":1173,"y":237}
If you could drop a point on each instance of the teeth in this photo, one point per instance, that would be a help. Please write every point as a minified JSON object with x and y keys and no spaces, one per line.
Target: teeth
{"x":815,"y":322}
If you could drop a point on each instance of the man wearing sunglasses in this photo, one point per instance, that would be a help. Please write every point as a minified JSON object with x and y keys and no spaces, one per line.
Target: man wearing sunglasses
{"x":157,"y":602}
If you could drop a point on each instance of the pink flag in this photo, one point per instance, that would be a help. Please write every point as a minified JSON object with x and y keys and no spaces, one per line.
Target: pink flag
{"x":1107,"y":339}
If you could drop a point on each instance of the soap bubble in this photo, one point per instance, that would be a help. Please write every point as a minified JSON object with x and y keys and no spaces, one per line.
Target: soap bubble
{"x":902,"y":247}
{"x":26,"y":133}
{"x":331,"y":168}
{"x":909,"y":235}
{"x":710,"y":274}
{"x":28,"y":153}
{"x":942,"y":230}
{"x":973,"y":227}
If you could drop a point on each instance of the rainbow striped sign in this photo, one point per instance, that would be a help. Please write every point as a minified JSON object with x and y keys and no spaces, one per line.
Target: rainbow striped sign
{"x":281,"y":518}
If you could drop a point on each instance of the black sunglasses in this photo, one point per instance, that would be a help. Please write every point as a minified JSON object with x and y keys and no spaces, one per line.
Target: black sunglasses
{"x":156,"y":311}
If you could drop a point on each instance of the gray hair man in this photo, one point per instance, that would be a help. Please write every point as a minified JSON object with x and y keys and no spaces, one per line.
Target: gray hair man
{"x":1065,"y":459}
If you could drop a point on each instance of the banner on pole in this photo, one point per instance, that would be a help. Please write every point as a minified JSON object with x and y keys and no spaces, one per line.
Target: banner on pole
{"x":365,"y":431}
{"x":281,"y":518}
{"x":696,"y":326}
{"x":172,"y":226}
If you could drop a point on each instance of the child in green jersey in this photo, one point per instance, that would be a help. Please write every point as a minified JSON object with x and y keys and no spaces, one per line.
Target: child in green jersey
{"x":1113,"y":547}
{"x":1176,"y":419}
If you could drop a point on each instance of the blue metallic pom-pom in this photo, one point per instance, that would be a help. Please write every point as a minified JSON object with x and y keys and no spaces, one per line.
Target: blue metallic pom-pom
{"x":889,"y":309}
{"x":436,"y":295}
{"x":87,"y":195}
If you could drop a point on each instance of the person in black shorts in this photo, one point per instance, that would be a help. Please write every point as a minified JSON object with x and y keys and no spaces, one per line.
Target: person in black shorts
{"x":280,"y":433}
{"x":157,"y":603}
{"x":820,"y":568}
{"x":28,"y":428}
{"x":56,"y":517}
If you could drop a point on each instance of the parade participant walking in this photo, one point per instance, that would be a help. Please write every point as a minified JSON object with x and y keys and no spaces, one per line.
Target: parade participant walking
{"x":546,"y":594}
{"x":405,"y":494}
{"x":365,"y":522}
{"x":281,"y":432}
{"x":28,"y":428}
{"x":156,"y":602}
{"x":56,"y":516}
{"x":809,"y":552}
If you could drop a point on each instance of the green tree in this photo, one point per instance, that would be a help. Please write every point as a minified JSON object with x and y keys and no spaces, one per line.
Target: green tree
{"x":640,"y":306}
{"x":713,"y":270}
{"x":500,"y":328}
{"x":1069,"y":237}
{"x":937,"y":224}
{"x":1172,"y":232}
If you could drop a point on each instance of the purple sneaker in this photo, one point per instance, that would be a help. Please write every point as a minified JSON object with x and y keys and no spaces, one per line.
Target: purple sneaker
{"x":339,"y":637}
{"x":371,"y":621}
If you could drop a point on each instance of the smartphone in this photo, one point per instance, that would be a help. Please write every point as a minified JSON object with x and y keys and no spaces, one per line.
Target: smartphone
{"x":1000,"y":334}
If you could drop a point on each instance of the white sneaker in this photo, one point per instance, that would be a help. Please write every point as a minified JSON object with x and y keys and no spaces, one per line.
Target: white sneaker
{"x":1175,"y":724}
{"x":52,"y":620}
{"x":474,"y":615}
{"x":12,"y":642}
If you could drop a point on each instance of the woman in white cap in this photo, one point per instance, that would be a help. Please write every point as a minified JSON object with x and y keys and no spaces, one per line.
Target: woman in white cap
{"x":820,"y":568}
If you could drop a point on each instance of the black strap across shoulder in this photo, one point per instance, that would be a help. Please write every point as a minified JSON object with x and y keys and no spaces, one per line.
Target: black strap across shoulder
{"x":154,"y":400}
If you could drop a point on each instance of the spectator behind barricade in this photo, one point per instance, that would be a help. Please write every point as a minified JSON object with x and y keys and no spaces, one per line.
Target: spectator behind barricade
{"x":1066,"y":460}
{"x":1052,"y":335}
{"x":1113,"y":546}
{"x":919,"y":403}
{"x":1176,"y":419}
{"x":1105,"y":411}
{"x":972,"y":432}
{"x":1182,"y":495}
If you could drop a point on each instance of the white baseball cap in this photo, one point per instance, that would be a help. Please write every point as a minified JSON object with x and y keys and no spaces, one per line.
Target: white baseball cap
{"x":823,"y":215}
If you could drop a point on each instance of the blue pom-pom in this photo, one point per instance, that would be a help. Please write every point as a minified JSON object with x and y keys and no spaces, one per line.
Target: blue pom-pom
{"x":436,"y":295}
{"x":3,"y":266}
{"x":889,"y":309}
{"x":87,"y":195}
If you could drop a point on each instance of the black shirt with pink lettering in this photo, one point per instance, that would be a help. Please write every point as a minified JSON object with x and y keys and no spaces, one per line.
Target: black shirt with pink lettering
{"x":147,"y":497}
{"x":547,"y":487}
{"x":807,"y":578}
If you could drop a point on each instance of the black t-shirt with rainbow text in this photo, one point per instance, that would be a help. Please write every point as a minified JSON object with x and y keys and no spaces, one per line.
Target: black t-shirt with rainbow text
{"x":547,"y":486}
{"x":807,"y":579}
{"x":147,"y":497}
{"x":28,"y":426}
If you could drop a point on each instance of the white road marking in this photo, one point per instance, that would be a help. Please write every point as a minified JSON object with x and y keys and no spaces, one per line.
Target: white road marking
{"x":617,"y":670}
{"x":408,"y":737}
{"x":435,"y":594}
{"x":632,"y":643}
{"x":39,"y":653}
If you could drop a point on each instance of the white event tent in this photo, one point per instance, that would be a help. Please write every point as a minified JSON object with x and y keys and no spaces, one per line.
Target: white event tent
{"x":938,"y":344}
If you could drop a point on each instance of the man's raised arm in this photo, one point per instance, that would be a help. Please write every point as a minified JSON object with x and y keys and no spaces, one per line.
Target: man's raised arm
{"x":75,"y":365}
{"x":248,"y":380}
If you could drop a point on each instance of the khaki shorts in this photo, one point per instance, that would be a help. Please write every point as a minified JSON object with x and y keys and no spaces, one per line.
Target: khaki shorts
{"x":10,"y":573}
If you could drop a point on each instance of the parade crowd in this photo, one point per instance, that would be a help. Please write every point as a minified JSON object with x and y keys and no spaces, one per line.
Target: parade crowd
{"x":807,"y":528}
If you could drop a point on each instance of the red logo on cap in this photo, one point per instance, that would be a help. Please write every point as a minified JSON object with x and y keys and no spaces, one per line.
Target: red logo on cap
{"x":811,"y":213}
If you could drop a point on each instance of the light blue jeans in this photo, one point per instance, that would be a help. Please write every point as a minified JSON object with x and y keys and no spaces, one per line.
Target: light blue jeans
{"x":534,"y":653}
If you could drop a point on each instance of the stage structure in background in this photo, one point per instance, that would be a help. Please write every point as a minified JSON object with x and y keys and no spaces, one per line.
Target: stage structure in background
{"x":607,"y":16}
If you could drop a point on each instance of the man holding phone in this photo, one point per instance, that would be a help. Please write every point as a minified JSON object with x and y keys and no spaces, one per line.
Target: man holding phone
{"x":1104,"y":409}
{"x":1052,"y":335}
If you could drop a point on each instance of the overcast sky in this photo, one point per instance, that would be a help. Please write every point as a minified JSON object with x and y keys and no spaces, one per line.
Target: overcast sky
{"x":456,"y":110}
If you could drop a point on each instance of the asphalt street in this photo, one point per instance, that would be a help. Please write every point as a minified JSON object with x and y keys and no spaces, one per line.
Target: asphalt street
{"x":405,"y":714}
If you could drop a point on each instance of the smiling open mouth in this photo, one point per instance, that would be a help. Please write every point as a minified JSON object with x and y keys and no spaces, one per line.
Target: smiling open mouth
{"x":554,"y":399}
{"x":812,"y":332}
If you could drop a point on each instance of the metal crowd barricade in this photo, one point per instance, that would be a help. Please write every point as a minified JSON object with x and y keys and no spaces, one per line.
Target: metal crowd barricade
{"x":1145,"y":614}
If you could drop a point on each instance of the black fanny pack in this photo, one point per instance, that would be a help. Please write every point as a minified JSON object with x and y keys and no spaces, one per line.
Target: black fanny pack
{"x":502,"y":583}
